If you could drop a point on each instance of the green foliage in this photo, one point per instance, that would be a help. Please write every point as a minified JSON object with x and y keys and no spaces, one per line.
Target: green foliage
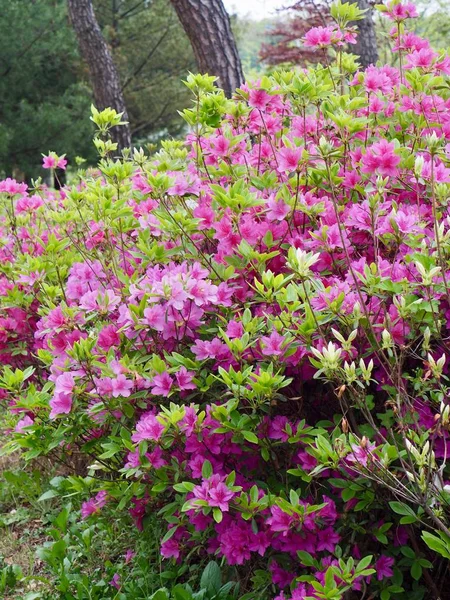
{"x":211,"y":588}
{"x":44,"y":100}
{"x":153,"y":54}
{"x":44,"y":86}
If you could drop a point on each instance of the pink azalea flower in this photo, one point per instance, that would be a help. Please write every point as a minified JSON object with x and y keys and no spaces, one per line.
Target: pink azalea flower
{"x":170,"y":549}
{"x":129,"y":555}
{"x":108,"y":337}
{"x":93,"y":505}
{"x":11,"y":186}
{"x":383,"y":567}
{"x":278,"y":210}
{"x":273,"y":345}
{"x":319,"y":37}
{"x":361,"y":454}
{"x":219,"y":496}
{"x":53,"y":161}
{"x":115,"y":581}
{"x":259,"y":99}
{"x":380,"y":159}
{"x":25,"y":422}
{"x":121,"y":386}
{"x":235,"y":329}
{"x":289,"y":159}
{"x":161,"y":385}
{"x":61,"y":403}
{"x":420,"y":58}
{"x":148,"y":428}
{"x":184,"y":379}
{"x":397,"y":11}
{"x":65,"y":383}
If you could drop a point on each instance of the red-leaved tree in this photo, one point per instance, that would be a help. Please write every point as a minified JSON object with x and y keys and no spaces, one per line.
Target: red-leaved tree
{"x":287,"y":35}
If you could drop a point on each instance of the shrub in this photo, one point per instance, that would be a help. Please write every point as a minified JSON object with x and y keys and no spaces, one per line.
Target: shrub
{"x":246,"y":333}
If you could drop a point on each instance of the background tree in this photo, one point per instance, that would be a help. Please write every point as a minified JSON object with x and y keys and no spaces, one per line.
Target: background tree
{"x":103,"y":73}
{"x":151,"y":73}
{"x":208,"y":28}
{"x":287,"y":46}
{"x":366,"y":42}
{"x":44,"y":102}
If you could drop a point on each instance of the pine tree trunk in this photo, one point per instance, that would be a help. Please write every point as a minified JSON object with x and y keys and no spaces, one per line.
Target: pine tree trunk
{"x":102,"y":70}
{"x":366,"y":45}
{"x":208,"y":28}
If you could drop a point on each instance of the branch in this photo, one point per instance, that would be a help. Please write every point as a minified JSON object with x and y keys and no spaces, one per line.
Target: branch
{"x":147,"y":58}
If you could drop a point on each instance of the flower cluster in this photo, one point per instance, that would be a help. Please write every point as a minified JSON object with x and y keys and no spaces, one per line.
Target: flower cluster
{"x":249,"y":329}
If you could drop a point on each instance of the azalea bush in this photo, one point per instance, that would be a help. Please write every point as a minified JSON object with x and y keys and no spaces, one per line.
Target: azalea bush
{"x":246,"y":333}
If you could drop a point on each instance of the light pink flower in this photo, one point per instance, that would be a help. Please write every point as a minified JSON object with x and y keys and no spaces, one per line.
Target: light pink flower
{"x":148,"y":428}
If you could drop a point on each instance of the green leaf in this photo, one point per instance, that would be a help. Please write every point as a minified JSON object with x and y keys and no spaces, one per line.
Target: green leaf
{"x":402,"y":509}
{"x":207,"y":470}
{"x":250,"y":437}
{"x":161,"y":594}
{"x":364,"y":562}
{"x":47,"y":495}
{"x":180,"y":593}
{"x":408,"y":520}
{"x":408,"y":552}
{"x":416,"y":571}
{"x":305,"y":558}
{"x":437,"y":543}
{"x":217,"y":514}
{"x":211,"y":579}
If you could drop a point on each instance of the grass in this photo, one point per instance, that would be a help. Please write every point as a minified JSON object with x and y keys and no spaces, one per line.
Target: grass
{"x":22,"y":526}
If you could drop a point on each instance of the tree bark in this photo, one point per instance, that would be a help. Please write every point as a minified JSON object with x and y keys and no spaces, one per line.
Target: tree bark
{"x":102,"y":70}
{"x":366,"y":45}
{"x":208,"y":28}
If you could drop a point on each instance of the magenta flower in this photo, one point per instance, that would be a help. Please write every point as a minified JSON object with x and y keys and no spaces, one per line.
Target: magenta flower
{"x":53,"y":161}
{"x":289,"y":159}
{"x":319,"y":37}
{"x":219,"y":496}
{"x":156,"y":317}
{"x":259,"y":99}
{"x":49,"y":162}
{"x":12,"y":187}
{"x":279,"y":521}
{"x":121,"y":386}
{"x":361,"y":454}
{"x":422,"y":58}
{"x":108,"y":337}
{"x":273,"y":345}
{"x":235,"y":329}
{"x":400,"y":12}
{"x":278,"y":210}
{"x":170,"y":549}
{"x":93,"y":505}
{"x":327,"y":539}
{"x":184,"y":379}
{"x":115,"y":581}
{"x":61,"y":403}
{"x":148,"y":428}
{"x":383,"y":567}
{"x":381,"y":159}
{"x":25,"y":422}
{"x":161,"y":385}
{"x":65,"y":383}
{"x":189,"y":421}
{"x":215,"y":492}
